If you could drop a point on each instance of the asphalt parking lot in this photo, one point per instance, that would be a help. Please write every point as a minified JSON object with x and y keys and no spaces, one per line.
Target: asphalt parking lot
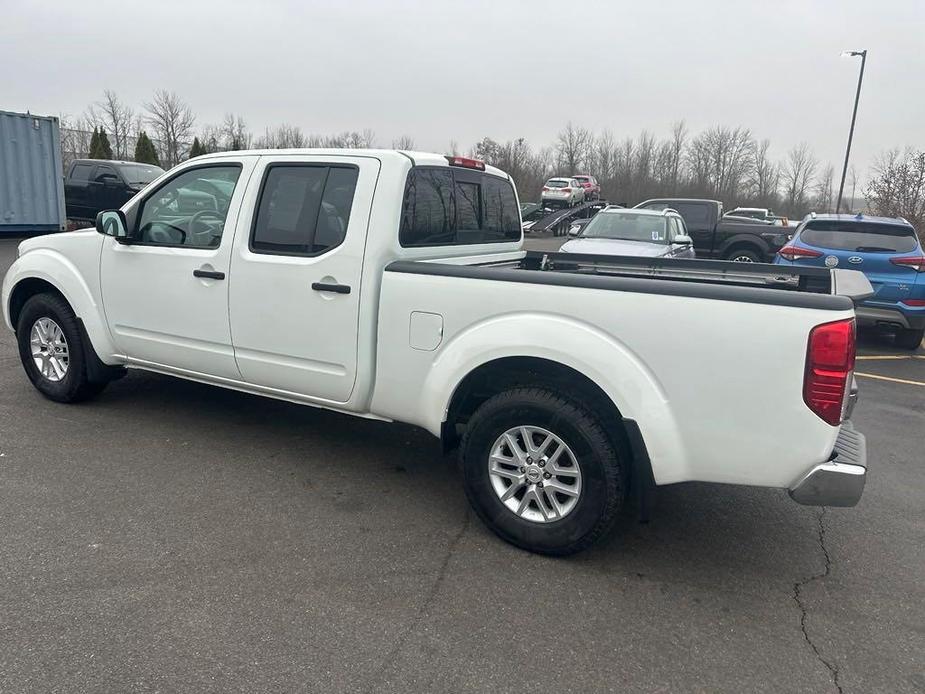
{"x":171,"y":536}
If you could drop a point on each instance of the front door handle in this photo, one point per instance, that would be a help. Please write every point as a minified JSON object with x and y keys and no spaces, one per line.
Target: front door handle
{"x":326,"y":287}
{"x":209,"y":274}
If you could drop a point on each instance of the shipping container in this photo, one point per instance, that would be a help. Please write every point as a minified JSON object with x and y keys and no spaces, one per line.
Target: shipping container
{"x":31,"y":177}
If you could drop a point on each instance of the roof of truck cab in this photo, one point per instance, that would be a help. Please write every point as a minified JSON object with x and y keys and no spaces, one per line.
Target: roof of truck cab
{"x":417,"y":158}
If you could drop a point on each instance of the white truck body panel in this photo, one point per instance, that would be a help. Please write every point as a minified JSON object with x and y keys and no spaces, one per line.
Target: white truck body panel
{"x":714,"y":385}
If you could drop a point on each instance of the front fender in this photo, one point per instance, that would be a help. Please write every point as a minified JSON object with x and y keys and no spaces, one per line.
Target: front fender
{"x":601,"y":357}
{"x":60,"y":272}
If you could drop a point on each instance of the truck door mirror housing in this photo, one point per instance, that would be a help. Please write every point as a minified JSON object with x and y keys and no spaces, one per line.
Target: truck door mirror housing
{"x":112,"y":223}
{"x":683,"y":239}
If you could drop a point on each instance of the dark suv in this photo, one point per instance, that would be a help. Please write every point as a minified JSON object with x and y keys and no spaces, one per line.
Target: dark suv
{"x":93,"y":185}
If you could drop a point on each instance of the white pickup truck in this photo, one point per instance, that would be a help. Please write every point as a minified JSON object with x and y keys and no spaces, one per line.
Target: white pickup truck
{"x":393,"y":285}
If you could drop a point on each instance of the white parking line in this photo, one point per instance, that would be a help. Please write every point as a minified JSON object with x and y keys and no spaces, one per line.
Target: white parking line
{"x":879,"y":357}
{"x":890,"y":378}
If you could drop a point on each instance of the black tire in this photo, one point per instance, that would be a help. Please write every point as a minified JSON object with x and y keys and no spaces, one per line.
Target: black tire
{"x":603,"y":472}
{"x":744,"y":255}
{"x":910,"y":339}
{"x":75,"y":385}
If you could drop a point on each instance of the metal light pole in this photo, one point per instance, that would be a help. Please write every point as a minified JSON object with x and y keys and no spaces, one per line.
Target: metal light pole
{"x":854,"y":115}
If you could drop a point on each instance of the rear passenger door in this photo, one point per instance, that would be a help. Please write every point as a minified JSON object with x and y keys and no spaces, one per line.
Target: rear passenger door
{"x":295,"y":276}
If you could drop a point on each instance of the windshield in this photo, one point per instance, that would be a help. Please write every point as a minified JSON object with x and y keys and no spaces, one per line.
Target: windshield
{"x":557,"y":183}
{"x":860,"y":236}
{"x":139,"y":173}
{"x":627,"y":227}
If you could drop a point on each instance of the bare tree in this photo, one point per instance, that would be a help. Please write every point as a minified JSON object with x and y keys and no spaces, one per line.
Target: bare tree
{"x":235,"y":134}
{"x":675,"y":157}
{"x":897,"y":186}
{"x":798,"y":174}
{"x":572,"y":148}
{"x":171,"y":120}
{"x":825,"y":197}
{"x":118,"y":119}
{"x":765,"y":176}
{"x":284,"y":136}
{"x":403,"y":142}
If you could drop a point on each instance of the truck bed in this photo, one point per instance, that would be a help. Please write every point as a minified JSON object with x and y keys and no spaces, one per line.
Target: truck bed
{"x":798,"y":286}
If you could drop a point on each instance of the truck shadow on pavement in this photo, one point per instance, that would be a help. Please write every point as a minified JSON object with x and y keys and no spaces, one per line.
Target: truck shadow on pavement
{"x":352,"y":465}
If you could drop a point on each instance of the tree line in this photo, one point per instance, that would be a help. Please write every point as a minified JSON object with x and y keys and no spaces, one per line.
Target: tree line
{"x":728,"y":163}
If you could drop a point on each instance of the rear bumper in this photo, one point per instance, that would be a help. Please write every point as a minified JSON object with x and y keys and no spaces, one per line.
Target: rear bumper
{"x":840,"y":480}
{"x":877,"y":315}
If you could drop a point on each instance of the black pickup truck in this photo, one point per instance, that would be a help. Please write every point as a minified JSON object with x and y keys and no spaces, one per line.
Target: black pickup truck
{"x":92,"y":185}
{"x":752,"y":241}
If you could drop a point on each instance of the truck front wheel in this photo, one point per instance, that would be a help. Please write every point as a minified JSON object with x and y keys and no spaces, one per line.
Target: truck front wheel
{"x":52,"y":351}
{"x":540,"y":471}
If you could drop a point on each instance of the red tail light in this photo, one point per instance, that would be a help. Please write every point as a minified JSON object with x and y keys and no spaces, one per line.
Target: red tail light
{"x":916,"y":262}
{"x":917,"y":303}
{"x":791,"y":252}
{"x":466,"y":162}
{"x":545,"y":189}
{"x":829,"y":364}
{"x":566,"y":190}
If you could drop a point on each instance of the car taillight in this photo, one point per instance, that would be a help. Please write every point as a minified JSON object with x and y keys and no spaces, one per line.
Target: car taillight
{"x":829,"y":365}
{"x":465,"y":162}
{"x":916,"y":262}
{"x":566,"y":190}
{"x":545,"y":189}
{"x":917,"y":303}
{"x":793,"y":252}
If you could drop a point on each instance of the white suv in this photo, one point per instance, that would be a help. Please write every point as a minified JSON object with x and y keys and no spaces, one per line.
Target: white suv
{"x":562,"y":191}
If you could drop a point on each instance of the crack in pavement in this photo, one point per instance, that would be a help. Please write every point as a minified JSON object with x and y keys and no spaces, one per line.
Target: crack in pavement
{"x":422,"y":612}
{"x":797,"y":587}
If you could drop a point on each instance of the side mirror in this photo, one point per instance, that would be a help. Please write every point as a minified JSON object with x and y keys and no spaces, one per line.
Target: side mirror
{"x":683,"y":240}
{"x":112,"y":223}
{"x":574,"y":231}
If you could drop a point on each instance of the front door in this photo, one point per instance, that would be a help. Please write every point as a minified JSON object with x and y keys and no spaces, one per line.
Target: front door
{"x":165,"y":293}
{"x":295,"y":275}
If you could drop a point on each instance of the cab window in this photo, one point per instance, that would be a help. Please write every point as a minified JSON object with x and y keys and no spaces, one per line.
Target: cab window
{"x":189,"y":210}
{"x":304,"y":209}
{"x":446,"y":207}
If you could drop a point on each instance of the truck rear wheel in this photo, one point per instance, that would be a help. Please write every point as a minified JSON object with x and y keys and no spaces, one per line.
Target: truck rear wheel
{"x":541,"y":472}
{"x":743,"y":255}
{"x":52,"y":351}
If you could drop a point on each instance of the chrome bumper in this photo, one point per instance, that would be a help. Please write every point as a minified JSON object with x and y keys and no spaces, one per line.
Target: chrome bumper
{"x":840,"y":480}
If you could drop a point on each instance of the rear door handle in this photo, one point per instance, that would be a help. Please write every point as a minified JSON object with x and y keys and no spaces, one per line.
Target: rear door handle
{"x":210,"y":274}
{"x":325,"y":287}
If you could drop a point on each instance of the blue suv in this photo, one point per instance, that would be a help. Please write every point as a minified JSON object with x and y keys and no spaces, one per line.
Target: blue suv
{"x":887,"y":250}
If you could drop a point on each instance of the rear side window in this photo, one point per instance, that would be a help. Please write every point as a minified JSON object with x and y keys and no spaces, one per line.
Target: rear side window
{"x":859,"y":236}
{"x":445,"y":207}
{"x":81,"y":172}
{"x":693,"y":214}
{"x":303,"y":209}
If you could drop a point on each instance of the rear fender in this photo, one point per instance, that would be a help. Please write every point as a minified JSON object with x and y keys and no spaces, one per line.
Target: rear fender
{"x":621,"y":374}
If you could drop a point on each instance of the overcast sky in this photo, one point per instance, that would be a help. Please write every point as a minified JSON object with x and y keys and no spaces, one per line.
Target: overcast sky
{"x":462,"y":70}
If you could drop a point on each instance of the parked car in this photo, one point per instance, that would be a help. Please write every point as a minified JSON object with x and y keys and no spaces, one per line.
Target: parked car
{"x":393,"y":286}
{"x":92,"y":185}
{"x":590,"y":185}
{"x":645,"y":233}
{"x":530,"y":214}
{"x":714,"y":237}
{"x":562,"y":192}
{"x":885,"y":249}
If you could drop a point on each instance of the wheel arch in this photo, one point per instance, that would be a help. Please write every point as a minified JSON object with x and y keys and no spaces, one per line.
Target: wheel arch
{"x":743,"y":242}
{"x":47,"y":271}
